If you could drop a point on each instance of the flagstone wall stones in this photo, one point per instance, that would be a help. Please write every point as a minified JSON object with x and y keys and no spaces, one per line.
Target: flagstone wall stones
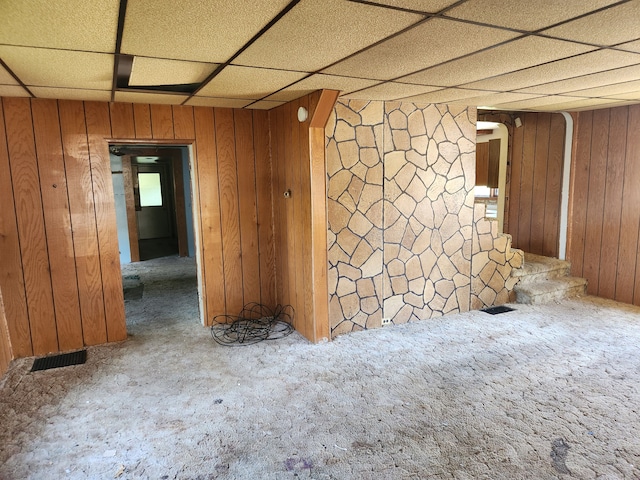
{"x":429,"y":175}
{"x":492,"y":263}
{"x":400,"y":212}
{"x":355,"y":208}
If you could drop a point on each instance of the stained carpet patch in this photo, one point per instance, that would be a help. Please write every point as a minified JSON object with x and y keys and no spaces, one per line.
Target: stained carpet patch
{"x":62,"y":360}
{"x":497,"y":310}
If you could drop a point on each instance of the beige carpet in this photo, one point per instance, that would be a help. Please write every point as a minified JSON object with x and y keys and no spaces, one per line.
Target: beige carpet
{"x":545,"y":392}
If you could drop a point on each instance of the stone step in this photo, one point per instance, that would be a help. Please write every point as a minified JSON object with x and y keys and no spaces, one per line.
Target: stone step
{"x":538,"y":268}
{"x":545,"y":291}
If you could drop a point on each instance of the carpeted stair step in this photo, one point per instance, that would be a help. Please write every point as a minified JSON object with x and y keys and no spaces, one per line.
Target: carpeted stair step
{"x":549,"y":290}
{"x":538,"y":268}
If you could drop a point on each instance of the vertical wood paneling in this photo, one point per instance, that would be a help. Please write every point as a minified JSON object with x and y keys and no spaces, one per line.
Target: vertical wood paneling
{"x":300,"y":221}
{"x":617,"y":146}
{"x":178,"y":194}
{"x":75,"y":219}
{"x":295,"y":161}
{"x":320,"y":107}
{"x":11,"y":276}
{"x":205,"y":167}
{"x":30,"y":216}
{"x":305,"y":219}
{"x":526,"y":182}
{"x":280,"y":208}
{"x":228,"y":181}
{"x":55,"y":202}
{"x":538,"y":200}
{"x":183,"y":127}
{"x":161,"y":122}
{"x":265,"y":210}
{"x":514,"y":190}
{"x":98,"y":129}
{"x":122,"y":124}
{"x":493,"y":159}
{"x":83,"y":221}
{"x":132,"y":222}
{"x":537,"y":157}
{"x":183,"y":123}
{"x":6,"y":354}
{"x":142,"y":120}
{"x":553,"y":197}
{"x":291,"y":165}
{"x":580,"y":191}
{"x":482,"y":163}
{"x":604,"y":244}
{"x":628,"y":272}
{"x":595,"y":200}
{"x":245,"y":154}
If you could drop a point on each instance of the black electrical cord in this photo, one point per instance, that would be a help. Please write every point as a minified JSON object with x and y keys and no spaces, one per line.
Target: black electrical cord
{"x":255,"y":323}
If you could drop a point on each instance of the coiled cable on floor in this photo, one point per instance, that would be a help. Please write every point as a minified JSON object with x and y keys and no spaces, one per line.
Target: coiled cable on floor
{"x":255,"y":323}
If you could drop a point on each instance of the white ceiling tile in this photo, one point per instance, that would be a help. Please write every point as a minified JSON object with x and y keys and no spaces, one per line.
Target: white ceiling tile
{"x":617,"y":89}
{"x":13,"y":91}
{"x":247,"y":82}
{"x":516,"y":55}
{"x":630,"y":46}
{"x":572,"y":105}
{"x":587,"y":81}
{"x":6,"y":78}
{"x":154,"y":71}
{"x":529,"y":16}
{"x":198,"y":101}
{"x":558,"y":70}
{"x":151,"y":98}
{"x":71,"y":93}
{"x":305,"y":39}
{"x":534,"y":103}
{"x":632,"y":95}
{"x":609,"y":27}
{"x":433,"y":42}
{"x":427,"y":6}
{"x":207,"y":31}
{"x":64,"y":24}
{"x":390,"y":91}
{"x":265,"y":105}
{"x":59,"y":68}
{"x":446,"y":95}
{"x":614,"y":104}
{"x":319,"y":82}
{"x":494,"y":99}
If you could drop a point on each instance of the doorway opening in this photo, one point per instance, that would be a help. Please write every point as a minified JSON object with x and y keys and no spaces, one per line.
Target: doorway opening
{"x":155,"y":222}
{"x":492,"y":143}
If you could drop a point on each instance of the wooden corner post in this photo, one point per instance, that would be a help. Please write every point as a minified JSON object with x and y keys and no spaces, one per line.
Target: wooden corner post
{"x":319,"y":117}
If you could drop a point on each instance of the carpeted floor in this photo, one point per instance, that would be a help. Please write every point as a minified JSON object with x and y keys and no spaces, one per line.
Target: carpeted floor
{"x":543,"y":392}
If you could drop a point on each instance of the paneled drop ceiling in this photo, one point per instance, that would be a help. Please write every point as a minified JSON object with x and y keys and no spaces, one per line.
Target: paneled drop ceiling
{"x":541,"y":55}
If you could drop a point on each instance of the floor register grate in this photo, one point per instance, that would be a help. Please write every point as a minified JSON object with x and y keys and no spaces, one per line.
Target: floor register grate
{"x":497,"y":310}
{"x":62,"y":360}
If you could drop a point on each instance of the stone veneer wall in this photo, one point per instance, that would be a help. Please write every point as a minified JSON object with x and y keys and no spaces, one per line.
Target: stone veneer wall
{"x":492,"y":263}
{"x":400,"y":230}
{"x":429,"y":175}
{"x":355,"y":208}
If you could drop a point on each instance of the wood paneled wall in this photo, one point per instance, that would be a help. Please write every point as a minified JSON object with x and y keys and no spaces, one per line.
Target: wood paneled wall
{"x":535,"y":183}
{"x":5,"y":343}
{"x":299,"y":167}
{"x":604,"y":241}
{"x":59,"y":269}
{"x":232,"y":194}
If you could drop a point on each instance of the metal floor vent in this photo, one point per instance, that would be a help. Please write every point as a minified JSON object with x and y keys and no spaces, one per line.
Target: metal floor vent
{"x":497,"y":310}
{"x":62,"y":360}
